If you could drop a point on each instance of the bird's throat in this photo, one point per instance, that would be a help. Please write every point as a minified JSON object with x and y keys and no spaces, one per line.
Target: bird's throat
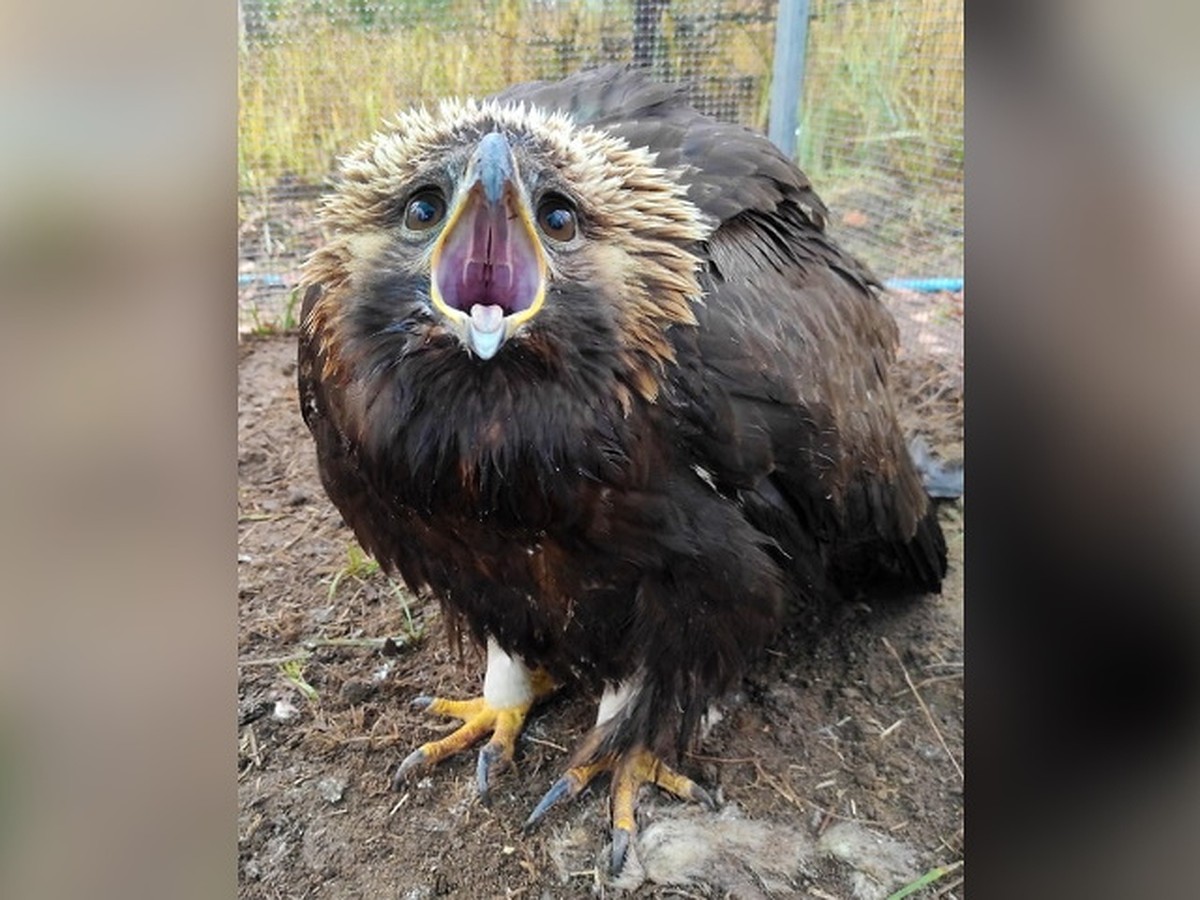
{"x":488,"y":258}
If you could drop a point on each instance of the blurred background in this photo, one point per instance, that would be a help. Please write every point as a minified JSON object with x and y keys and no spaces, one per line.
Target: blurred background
{"x":869,"y":101}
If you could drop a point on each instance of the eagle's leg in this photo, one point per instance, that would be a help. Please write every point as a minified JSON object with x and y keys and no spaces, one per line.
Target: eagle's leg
{"x":509,"y":691}
{"x":630,"y":770}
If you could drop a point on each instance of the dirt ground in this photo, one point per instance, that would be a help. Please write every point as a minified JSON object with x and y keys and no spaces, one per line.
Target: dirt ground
{"x":836,"y":767}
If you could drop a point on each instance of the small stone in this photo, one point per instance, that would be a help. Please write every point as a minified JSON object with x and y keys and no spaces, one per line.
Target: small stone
{"x":284,"y":711}
{"x":332,"y":789}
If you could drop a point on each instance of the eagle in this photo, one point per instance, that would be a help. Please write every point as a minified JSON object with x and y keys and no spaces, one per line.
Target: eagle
{"x":586,"y":366}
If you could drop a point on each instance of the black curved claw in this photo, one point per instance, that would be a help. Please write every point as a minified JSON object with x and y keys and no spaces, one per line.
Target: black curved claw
{"x":421,"y":702}
{"x":488,"y":757}
{"x":560,"y":789}
{"x":412,"y":761}
{"x":700,"y":795}
{"x":620,"y":849}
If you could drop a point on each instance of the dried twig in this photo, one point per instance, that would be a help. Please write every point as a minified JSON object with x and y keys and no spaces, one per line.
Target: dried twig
{"x":778,"y":784}
{"x":933,"y":679}
{"x":925,"y":709}
{"x":950,"y":887}
{"x":276,"y":660}
{"x":553,"y":746}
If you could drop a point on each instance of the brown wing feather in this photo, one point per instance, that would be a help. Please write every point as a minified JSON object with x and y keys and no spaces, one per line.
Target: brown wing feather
{"x":787,"y":377}
{"x":795,"y":351}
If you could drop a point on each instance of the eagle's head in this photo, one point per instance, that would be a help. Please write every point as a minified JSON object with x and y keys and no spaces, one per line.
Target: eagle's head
{"x":499,"y":230}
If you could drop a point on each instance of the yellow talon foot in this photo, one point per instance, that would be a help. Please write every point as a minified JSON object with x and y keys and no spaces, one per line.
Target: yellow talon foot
{"x":629,"y":772}
{"x":634,"y":770}
{"x":479,"y":720}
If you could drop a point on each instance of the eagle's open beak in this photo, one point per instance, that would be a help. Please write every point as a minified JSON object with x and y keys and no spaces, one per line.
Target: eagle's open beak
{"x":488,"y":266}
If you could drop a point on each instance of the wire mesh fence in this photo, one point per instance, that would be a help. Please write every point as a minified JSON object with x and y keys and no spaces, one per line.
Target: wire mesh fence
{"x":880,"y":124}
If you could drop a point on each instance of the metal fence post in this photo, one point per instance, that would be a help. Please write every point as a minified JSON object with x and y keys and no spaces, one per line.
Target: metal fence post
{"x":787,"y":74}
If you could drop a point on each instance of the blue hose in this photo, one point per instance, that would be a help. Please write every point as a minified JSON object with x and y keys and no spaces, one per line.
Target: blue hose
{"x":924,"y":285}
{"x":268,"y":280}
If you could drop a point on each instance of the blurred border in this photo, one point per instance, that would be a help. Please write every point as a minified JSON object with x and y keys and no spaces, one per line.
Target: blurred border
{"x":1082,"y":363}
{"x":118,"y":476}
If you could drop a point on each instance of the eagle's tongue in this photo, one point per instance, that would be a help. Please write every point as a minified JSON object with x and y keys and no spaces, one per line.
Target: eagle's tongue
{"x":486,"y":318}
{"x":487,"y":329}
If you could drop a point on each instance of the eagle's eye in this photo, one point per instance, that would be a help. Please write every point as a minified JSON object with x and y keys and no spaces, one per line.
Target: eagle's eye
{"x":425,"y":209}
{"x":556,"y":218}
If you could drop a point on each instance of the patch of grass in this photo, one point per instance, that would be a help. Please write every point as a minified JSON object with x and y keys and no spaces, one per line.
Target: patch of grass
{"x":293,"y":672}
{"x":883,"y":80}
{"x":358,"y":566}
{"x":882,"y":104}
{"x":934,"y":874}
{"x":881,"y":128}
{"x":260,"y":327}
{"x":364,"y":569}
{"x":315,"y":78}
{"x":264,"y":324}
{"x":412,"y":631}
{"x":883,"y":89}
{"x":290,"y":322}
